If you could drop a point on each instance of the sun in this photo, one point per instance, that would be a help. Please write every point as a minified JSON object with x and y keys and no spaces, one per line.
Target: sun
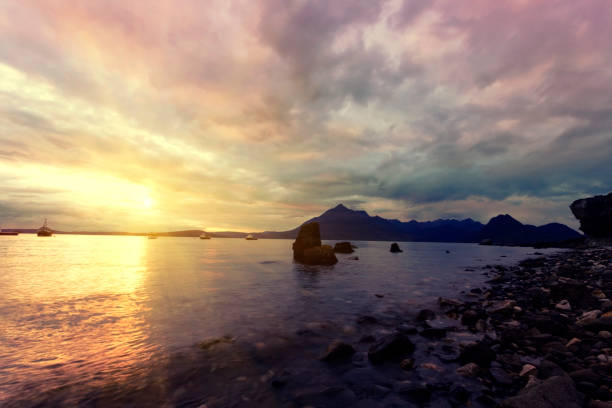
{"x":148,"y":203}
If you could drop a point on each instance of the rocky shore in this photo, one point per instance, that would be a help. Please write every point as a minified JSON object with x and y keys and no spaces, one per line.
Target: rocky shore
{"x":539,"y":335}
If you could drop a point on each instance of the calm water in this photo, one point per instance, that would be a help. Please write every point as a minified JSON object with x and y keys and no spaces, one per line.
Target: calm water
{"x":78,"y":313}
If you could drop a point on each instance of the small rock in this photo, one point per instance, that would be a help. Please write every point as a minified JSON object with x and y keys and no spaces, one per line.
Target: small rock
{"x":502,"y":307}
{"x":445,"y":302}
{"x":433,"y":333}
{"x":395,"y":248}
{"x":469,"y":370}
{"x":407,"y":364}
{"x":587,"y":318}
{"x":338,"y":351}
{"x":391,"y":347}
{"x":605,"y":334}
{"x":572,"y":342}
{"x":500,"y":376}
{"x":426,"y":314}
{"x":563,"y":305}
{"x":479,"y":353}
{"x":527,"y":369}
{"x":599,"y":294}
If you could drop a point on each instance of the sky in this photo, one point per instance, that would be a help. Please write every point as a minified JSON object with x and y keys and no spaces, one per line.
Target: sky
{"x":257,"y":115}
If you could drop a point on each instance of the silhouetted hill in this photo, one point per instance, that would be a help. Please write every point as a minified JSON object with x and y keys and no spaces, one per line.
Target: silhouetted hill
{"x":504,"y":229}
{"x":342,"y":223}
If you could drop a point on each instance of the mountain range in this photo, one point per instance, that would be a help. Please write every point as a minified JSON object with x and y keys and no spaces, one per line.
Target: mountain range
{"x":342,"y":223}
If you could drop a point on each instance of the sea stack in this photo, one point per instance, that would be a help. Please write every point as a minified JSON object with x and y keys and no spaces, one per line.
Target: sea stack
{"x":595,"y":216}
{"x":307,"y":248}
{"x":395,"y":248}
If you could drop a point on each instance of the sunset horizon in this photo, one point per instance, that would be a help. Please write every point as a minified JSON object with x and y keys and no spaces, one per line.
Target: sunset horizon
{"x":254,"y":115}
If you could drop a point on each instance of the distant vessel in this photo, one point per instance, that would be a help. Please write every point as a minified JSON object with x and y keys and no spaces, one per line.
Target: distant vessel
{"x":205,"y":236}
{"x":151,"y":236}
{"x":45,"y":231}
{"x":250,"y":237}
{"x":2,"y":232}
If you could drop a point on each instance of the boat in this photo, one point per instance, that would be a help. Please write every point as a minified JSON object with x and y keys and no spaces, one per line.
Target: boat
{"x":45,"y":231}
{"x":2,"y":232}
{"x":250,"y":237}
{"x":151,"y":236}
{"x":205,"y":235}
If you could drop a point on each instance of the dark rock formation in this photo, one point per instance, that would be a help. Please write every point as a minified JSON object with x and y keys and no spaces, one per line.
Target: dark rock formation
{"x":595,"y":215}
{"x":395,"y":248}
{"x":558,"y":391}
{"x":307,"y":248}
{"x":343,"y":248}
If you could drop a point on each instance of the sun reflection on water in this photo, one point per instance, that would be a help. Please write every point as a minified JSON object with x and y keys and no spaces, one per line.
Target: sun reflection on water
{"x":86,"y":320}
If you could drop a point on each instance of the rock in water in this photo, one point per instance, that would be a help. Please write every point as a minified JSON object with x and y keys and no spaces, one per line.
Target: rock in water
{"x":595,"y":215}
{"x":307,"y":247}
{"x":395,"y":248}
{"x":343,"y":248}
{"x":389,"y":348}
{"x":338,"y":351}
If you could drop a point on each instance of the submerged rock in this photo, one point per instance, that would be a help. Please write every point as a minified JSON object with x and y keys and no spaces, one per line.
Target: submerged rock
{"x":307,"y":248}
{"x":395,"y":248}
{"x":392,"y":347}
{"x":338,"y":351}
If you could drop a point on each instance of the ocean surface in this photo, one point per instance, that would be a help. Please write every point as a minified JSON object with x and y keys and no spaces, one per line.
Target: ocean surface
{"x":107,"y":320}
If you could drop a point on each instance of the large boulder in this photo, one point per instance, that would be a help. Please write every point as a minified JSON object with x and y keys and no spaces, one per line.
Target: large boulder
{"x":307,"y":248}
{"x":555,"y":392}
{"x":595,"y":215}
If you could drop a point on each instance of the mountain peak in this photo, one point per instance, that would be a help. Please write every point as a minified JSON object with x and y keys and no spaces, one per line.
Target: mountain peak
{"x":505,"y":219}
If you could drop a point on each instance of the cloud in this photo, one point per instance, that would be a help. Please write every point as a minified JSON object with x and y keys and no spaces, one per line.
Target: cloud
{"x":231,"y":112}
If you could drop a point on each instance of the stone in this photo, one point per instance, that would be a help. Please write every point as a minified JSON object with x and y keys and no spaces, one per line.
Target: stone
{"x":587,"y":318}
{"x":573,"y":341}
{"x":595,"y":215}
{"x":307,"y":248}
{"x":445,"y":302}
{"x":392,"y":347}
{"x":343,"y":248}
{"x":338,"y":351}
{"x":502,"y":307}
{"x":395,"y":248}
{"x":434,"y":333}
{"x":469,"y":318}
{"x":555,"y":392}
{"x":479,"y":353}
{"x":407,"y":364}
{"x":563,"y":305}
{"x":426,"y":314}
{"x":414,"y":391}
{"x":528,"y":369}
{"x":500,"y":376}
{"x":469,"y":370}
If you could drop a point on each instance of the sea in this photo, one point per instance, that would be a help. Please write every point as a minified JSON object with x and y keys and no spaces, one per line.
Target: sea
{"x":131,"y":321}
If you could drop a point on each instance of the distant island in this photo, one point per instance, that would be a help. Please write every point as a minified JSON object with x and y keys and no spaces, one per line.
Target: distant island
{"x":342,"y":223}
